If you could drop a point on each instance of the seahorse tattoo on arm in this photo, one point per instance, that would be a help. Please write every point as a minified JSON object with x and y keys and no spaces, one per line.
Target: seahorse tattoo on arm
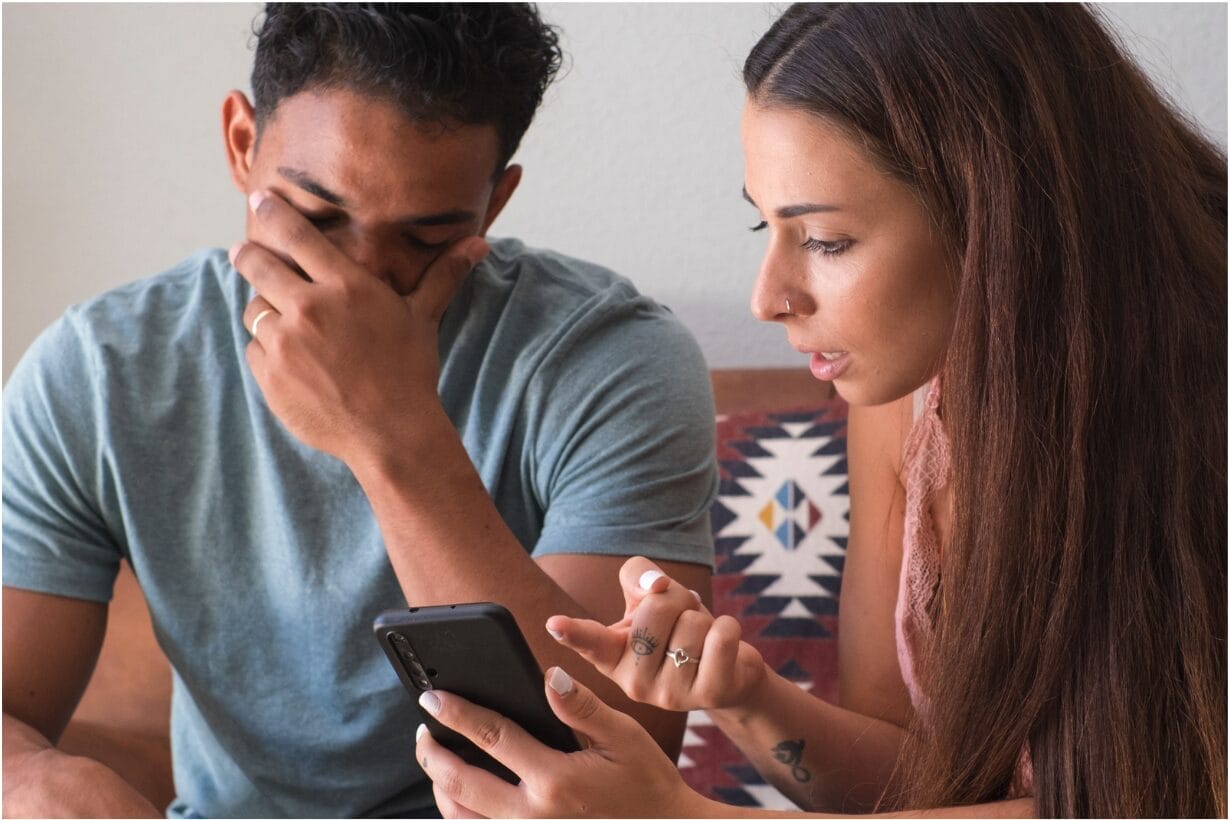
{"x":790,"y":752}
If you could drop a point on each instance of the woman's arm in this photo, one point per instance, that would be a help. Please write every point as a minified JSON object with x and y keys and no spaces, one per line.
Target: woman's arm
{"x":842,"y":757}
{"x":821,"y":756}
{"x":620,"y":772}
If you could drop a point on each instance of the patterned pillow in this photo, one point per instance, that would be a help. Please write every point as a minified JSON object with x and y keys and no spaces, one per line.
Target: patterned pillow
{"x":780,"y":524}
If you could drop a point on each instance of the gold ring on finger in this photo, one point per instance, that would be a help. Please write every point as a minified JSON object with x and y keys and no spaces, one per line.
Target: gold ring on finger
{"x":258,"y":318}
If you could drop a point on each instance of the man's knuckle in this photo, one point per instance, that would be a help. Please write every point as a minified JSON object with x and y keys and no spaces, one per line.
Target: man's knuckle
{"x":299,"y":233}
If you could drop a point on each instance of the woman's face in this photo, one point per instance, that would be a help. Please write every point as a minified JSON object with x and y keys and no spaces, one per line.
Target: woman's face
{"x":868,"y":279}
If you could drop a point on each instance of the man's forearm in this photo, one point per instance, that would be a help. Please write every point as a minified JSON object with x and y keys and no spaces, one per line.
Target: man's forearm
{"x":821,"y":756}
{"x":42,"y":781}
{"x":448,"y":544}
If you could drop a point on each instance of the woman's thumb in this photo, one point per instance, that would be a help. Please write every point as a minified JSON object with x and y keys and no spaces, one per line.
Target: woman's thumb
{"x":583,"y":711}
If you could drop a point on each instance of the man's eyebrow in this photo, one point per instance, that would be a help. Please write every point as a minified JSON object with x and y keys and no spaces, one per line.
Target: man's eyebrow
{"x":305,"y":181}
{"x":791,"y":211}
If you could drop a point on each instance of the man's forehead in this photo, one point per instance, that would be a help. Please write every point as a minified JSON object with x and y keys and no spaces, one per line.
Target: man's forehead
{"x":371,"y":129}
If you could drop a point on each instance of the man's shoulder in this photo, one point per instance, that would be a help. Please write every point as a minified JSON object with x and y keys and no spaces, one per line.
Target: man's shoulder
{"x":196,"y":283}
{"x":140,"y":331}
{"x":546,"y":292}
{"x":565,"y":314}
{"x":513,"y":264}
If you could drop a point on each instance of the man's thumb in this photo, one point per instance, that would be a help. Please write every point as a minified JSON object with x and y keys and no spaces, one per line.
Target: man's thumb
{"x":441,"y":280}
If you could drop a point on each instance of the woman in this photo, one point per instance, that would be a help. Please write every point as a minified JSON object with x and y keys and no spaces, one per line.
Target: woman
{"x":1008,"y":254}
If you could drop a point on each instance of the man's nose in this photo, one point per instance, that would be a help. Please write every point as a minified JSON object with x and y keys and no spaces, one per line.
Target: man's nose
{"x":370,"y":253}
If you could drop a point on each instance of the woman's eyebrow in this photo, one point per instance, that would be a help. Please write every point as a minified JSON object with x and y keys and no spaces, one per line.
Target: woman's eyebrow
{"x":791,"y":211}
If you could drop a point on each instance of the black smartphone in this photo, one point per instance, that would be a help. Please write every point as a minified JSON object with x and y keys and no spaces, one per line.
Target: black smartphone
{"x":475,"y":651}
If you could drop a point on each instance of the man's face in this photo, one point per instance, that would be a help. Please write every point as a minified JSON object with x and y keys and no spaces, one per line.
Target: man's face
{"x":390,"y":193}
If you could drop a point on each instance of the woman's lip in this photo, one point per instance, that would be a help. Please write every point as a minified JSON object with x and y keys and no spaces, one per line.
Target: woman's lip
{"x":829,"y":369}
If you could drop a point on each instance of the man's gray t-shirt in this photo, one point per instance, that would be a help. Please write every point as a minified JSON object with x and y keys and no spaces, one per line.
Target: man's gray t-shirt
{"x":134,"y":430}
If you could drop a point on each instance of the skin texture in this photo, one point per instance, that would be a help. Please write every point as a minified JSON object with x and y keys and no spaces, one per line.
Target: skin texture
{"x":866,"y":275}
{"x":360,"y":226}
{"x":886,"y":298}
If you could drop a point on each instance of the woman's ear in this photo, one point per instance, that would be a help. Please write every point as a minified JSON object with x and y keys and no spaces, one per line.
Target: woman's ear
{"x":239,"y":136}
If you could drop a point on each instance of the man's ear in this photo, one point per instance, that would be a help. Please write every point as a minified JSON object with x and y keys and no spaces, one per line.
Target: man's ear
{"x":503,"y":191}
{"x":239,"y":136}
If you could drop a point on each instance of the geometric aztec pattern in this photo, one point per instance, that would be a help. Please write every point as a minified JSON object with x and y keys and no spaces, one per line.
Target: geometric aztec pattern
{"x":780,"y":524}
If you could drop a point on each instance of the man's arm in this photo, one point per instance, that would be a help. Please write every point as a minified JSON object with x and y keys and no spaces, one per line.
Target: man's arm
{"x":448,"y":543}
{"x":351,"y":368}
{"x":50,"y":647}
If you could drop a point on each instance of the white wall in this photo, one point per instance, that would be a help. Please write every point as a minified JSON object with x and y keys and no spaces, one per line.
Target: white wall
{"x":113,"y":162}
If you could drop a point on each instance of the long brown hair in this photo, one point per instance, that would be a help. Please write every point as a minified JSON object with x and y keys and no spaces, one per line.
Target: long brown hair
{"x":1082,"y":609}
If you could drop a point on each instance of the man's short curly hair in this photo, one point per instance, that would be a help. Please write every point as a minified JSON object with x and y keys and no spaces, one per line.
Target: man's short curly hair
{"x":441,"y":63}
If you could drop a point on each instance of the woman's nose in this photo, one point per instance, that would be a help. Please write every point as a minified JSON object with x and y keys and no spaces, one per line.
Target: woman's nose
{"x":777,"y":294}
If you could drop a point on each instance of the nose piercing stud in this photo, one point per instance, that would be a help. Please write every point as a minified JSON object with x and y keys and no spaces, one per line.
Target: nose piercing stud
{"x":788,"y":310}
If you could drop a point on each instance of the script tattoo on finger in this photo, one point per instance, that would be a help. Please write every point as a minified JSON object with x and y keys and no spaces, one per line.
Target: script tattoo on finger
{"x":790,"y":752}
{"x":643,"y":644}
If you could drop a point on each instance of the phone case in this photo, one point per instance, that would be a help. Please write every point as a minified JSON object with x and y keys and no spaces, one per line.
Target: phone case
{"x":475,"y":651}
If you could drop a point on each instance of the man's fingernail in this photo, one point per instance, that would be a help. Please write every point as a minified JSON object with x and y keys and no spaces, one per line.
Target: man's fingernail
{"x":477,"y":252}
{"x":554,"y":633}
{"x":234,"y":251}
{"x":648,"y":577}
{"x":419,"y":732}
{"x":559,"y":681}
{"x":431,"y":702}
{"x":255,"y":199}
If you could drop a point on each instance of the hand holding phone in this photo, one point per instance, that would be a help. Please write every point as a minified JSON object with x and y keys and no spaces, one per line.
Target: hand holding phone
{"x":475,"y":651}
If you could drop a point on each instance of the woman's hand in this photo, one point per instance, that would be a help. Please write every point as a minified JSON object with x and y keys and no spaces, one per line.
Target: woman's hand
{"x":668,"y":651}
{"x":621,"y":771}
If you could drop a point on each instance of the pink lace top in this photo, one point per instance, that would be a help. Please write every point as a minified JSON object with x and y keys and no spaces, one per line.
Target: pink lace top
{"x":925,"y":464}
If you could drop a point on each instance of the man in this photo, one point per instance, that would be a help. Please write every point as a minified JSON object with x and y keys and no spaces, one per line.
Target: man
{"x":366,"y":404}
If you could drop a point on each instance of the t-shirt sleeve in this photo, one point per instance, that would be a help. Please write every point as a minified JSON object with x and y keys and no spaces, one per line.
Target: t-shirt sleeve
{"x":625,"y":439}
{"x":55,"y":537}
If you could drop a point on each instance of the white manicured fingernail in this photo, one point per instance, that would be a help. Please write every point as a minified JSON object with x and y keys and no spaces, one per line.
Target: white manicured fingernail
{"x":559,"y":681}
{"x":419,"y":732}
{"x":559,"y":636}
{"x":430,"y":701}
{"x":696,"y":595}
{"x":648,"y":577}
{"x":255,"y":199}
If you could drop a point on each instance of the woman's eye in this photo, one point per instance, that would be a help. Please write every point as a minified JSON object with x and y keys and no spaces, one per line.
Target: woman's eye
{"x":828,"y":248}
{"x":759,"y":227}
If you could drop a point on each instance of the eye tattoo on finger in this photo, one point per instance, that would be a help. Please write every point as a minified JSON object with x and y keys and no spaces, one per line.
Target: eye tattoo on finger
{"x":790,"y":752}
{"x":643,"y":644}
